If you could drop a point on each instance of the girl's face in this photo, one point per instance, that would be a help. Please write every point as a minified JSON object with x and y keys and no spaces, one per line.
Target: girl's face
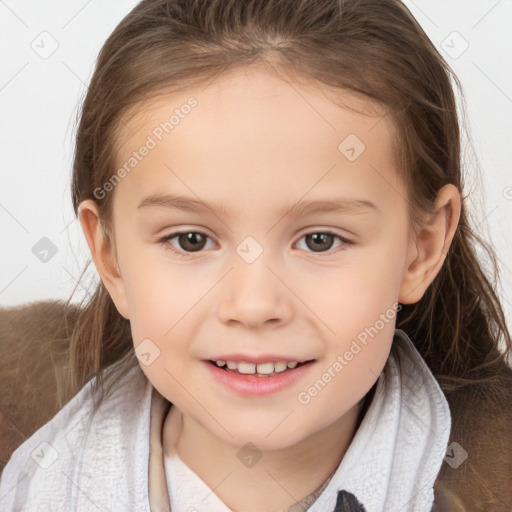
{"x":298,"y":250}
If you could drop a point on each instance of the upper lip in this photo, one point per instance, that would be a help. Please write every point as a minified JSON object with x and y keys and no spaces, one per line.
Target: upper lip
{"x":264,"y":358}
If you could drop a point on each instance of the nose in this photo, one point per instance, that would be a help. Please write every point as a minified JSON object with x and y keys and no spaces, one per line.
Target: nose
{"x":253,"y":296}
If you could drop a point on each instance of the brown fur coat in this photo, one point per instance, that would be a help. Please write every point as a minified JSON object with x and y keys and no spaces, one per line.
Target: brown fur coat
{"x":33,"y":352}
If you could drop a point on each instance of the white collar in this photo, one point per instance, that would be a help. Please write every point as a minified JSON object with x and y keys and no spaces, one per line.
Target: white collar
{"x":397,"y":451}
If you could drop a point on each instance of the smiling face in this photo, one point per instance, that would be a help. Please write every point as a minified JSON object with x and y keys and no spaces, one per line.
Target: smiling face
{"x":298,"y":245}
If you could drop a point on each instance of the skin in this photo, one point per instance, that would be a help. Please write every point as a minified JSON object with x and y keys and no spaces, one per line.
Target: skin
{"x":258,"y":143}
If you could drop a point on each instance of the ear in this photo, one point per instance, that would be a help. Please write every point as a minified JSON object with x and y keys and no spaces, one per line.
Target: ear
{"x":429,"y":246}
{"x":103,"y":253}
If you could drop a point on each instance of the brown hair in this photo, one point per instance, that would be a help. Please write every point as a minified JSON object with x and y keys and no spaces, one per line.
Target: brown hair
{"x":371,"y":47}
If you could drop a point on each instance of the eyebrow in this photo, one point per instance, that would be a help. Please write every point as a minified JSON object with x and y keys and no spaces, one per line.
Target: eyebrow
{"x":341,"y":205}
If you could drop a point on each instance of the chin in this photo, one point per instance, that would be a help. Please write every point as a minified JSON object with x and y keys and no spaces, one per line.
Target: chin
{"x":262,"y":437}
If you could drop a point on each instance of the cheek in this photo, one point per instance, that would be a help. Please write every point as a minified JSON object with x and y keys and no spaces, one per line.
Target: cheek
{"x":358,"y":306}
{"x":350,"y":299}
{"x":158,"y":292}
{"x":163,"y":303}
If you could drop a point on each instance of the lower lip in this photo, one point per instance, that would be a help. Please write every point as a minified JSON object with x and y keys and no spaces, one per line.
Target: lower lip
{"x":251,"y":385}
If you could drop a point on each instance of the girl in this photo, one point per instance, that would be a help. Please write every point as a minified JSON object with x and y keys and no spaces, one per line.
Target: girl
{"x":290,"y":301}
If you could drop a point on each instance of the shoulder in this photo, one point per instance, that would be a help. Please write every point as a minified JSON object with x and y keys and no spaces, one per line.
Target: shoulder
{"x":37,"y":465}
{"x":79,"y":448}
{"x":477,"y":470}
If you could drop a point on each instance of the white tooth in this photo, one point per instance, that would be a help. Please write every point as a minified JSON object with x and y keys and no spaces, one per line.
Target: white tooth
{"x":246,"y":368}
{"x":232,"y":365}
{"x":265,"y":368}
{"x":293,"y":364}
{"x":280,"y":367}
{"x":221,"y":363}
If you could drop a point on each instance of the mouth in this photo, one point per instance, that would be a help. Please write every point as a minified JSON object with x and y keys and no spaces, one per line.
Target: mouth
{"x":258,"y":379}
{"x":264,"y":370}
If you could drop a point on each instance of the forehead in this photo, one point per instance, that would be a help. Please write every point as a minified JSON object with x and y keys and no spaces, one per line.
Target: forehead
{"x":247,"y":95}
{"x":251,"y":127}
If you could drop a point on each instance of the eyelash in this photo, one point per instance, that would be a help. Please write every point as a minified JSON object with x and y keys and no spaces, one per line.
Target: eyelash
{"x":165,"y":241}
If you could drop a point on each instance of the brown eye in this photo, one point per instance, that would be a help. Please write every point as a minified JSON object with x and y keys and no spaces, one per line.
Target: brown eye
{"x":185,"y":243}
{"x":323,"y":241}
{"x":319,"y":242}
{"x":192,"y":241}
